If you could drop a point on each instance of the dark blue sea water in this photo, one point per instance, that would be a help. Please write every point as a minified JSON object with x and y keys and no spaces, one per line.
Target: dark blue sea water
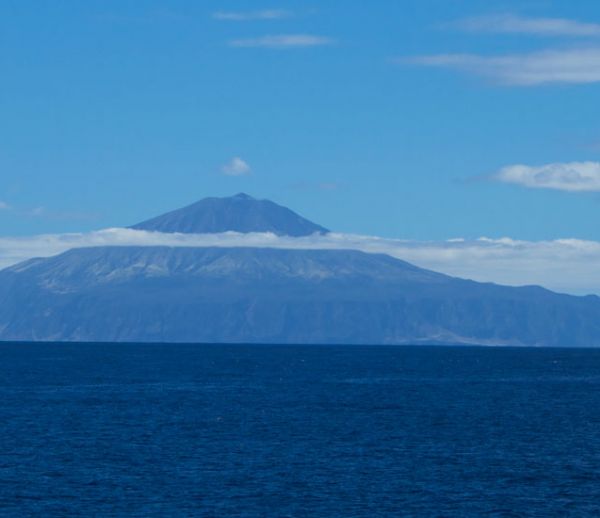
{"x":182,"y":430}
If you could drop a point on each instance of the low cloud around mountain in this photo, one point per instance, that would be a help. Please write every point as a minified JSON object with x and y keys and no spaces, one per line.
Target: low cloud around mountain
{"x":564,"y":265}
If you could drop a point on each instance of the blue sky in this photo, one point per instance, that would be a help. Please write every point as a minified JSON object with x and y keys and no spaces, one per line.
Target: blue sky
{"x":402,"y":119}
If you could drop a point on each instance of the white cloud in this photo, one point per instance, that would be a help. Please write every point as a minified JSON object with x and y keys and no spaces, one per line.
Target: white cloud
{"x":265,"y":14}
{"x":565,"y":265}
{"x":236,"y":167}
{"x":552,"y":66}
{"x":4,"y":205}
{"x":573,"y":176}
{"x":283,"y":41}
{"x":510,"y":23}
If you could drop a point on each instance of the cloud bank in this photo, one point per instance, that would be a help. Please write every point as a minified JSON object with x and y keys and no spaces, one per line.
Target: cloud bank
{"x":571,"y":177}
{"x":514,"y":24}
{"x":572,"y":66}
{"x":564,"y":265}
{"x":283,"y":41}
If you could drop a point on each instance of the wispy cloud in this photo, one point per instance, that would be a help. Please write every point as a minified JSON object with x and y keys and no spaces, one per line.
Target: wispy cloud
{"x":329,"y":186}
{"x":151,"y":16}
{"x":515,"y":24}
{"x":565,"y":265}
{"x":552,"y":66}
{"x":572,"y":176}
{"x":36,"y":212}
{"x":49,"y":214}
{"x":236,"y":167}
{"x":316,"y":186}
{"x":283,"y":41}
{"x":241,"y":16}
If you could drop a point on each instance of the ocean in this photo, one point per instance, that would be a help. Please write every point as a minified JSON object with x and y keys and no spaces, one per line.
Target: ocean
{"x":239,"y":430}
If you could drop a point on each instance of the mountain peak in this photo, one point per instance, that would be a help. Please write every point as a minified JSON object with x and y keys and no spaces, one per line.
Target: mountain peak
{"x":242,"y":196}
{"x":238,"y":213}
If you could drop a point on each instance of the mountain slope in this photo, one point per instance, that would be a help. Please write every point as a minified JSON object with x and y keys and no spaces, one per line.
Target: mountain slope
{"x":240,"y":213}
{"x":160,"y":294}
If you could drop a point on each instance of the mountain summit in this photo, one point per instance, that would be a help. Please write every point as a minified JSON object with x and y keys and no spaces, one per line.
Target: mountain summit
{"x":239,"y":213}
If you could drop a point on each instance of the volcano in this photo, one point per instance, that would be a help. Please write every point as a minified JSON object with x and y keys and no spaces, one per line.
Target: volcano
{"x":272,"y":295}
